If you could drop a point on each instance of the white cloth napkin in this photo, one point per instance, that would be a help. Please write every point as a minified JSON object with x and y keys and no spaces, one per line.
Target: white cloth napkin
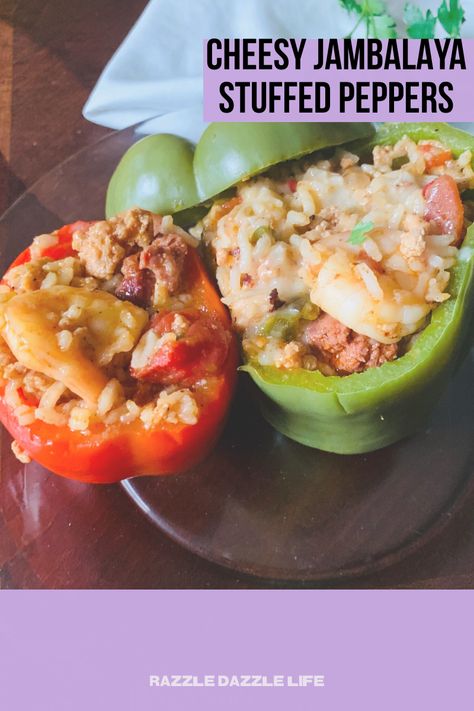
{"x":157,"y":70}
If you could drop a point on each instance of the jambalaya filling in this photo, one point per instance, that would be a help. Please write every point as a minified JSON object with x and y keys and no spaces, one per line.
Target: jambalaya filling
{"x":335,"y":266}
{"x":92,"y":339}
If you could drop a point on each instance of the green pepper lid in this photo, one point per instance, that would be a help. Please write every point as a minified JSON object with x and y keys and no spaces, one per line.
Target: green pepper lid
{"x":164,"y":174}
{"x":156,"y":173}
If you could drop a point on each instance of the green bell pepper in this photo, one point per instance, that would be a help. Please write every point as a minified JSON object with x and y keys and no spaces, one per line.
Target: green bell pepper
{"x":137,"y":181}
{"x":366,"y":411}
{"x":166,"y":175}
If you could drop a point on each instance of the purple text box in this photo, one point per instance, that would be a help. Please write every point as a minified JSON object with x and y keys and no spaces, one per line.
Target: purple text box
{"x":340,"y":82}
{"x":390,"y":650}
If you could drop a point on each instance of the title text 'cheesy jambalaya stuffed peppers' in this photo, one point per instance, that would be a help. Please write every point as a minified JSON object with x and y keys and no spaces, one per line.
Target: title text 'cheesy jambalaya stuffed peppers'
{"x":348,"y":272}
{"x":116,"y":354}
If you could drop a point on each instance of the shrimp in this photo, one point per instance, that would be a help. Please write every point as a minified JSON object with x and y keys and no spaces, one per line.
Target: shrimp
{"x":371,"y":304}
{"x":97,"y":326}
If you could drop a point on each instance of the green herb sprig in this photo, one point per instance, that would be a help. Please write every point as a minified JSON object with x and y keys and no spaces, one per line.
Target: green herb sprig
{"x":418,"y":24}
{"x":451,"y":17}
{"x":373,"y":13}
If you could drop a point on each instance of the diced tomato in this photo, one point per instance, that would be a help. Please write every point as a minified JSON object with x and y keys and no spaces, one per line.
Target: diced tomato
{"x":201,"y":351}
{"x":223,"y":208}
{"x":292,"y":184}
{"x":27,"y":399}
{"x":435,"y":155}
{"x":444,"y":206}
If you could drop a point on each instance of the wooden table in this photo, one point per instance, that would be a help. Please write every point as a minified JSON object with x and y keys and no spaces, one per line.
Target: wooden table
{"x":51,"y":53}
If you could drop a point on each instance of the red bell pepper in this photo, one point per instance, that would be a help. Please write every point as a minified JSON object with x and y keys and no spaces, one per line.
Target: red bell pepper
{"x":109,"y":453}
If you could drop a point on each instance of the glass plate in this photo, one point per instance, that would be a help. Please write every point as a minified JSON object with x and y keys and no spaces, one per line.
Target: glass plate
{"x":260,"y":503}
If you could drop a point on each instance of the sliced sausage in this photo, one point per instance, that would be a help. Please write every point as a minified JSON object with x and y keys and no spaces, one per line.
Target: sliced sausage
{"x":137,"y":284}
{"x":443,"y":206}
{"x":180,"y":347}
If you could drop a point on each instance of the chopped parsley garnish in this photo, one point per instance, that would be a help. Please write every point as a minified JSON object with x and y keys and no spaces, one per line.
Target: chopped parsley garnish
{"x":360,"y":232}
{"x":373,"y":14}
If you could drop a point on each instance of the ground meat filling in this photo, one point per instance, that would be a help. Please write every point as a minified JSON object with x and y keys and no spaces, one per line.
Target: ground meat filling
{"x":161,"y":262}
{"x":164,"y":258}
{"x":105,"y":244}
{"x":136,"y":244}
{"x":343,"y":349}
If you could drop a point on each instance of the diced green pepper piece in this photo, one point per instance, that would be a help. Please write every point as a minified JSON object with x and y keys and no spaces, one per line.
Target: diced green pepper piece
{"x":284,"y":322}
{"x":279,"y":327}
{"x":261,"y":232}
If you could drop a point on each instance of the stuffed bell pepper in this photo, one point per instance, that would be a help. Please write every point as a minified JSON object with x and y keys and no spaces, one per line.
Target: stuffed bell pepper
{"x":347,"y":266}
{"x":116,"y":354}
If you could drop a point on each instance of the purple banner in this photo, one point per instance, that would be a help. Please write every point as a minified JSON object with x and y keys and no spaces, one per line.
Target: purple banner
{"x":328,"y":650}
{"x":338,"y":80}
